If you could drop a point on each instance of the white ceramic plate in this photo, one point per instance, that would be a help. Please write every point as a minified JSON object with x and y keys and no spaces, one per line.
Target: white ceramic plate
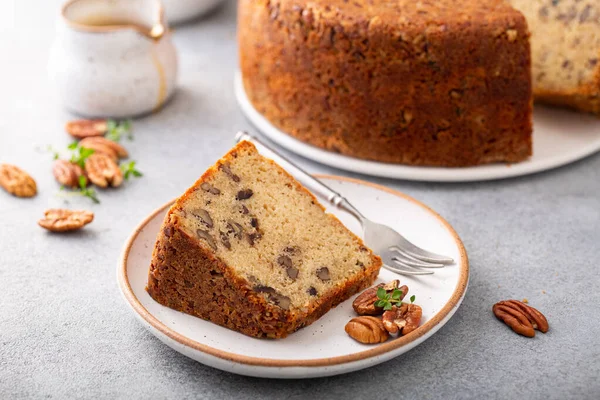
{"x":323,"y":348}
{"x":560,"y":137}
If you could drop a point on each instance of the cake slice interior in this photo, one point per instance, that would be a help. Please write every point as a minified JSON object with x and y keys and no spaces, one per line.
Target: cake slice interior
{"x":249,"y":248}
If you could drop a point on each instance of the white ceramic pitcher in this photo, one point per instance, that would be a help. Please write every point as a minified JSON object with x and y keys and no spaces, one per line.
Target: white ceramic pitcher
{"x":113,"y":58}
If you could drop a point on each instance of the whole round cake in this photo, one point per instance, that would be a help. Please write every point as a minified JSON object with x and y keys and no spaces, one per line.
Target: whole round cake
{"x":429,"y":82}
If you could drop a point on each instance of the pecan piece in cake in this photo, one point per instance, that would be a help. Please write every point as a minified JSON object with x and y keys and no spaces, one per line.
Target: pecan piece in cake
{"x":244,"y":194}
{"x":226,"y":167}
{"x":273,"y":296}
{"x":323,"y":274}
{"x":207,"y":187}
{"x":225,"y":240}
{"x":203,"y":216}
{"x":207,"y":237}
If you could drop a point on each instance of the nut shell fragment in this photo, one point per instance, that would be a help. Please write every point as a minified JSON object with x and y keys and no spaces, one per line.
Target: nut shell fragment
{"x":16,"y":181}
{"x":62,"y":220}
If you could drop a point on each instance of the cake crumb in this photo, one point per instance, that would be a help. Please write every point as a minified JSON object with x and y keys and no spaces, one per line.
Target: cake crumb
{"x":512,"y":35}
{"x":543,"y":292}
{"x":525,"y":301}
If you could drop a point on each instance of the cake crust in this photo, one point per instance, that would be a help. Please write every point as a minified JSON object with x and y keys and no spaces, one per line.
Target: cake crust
{"x":188,"y":277}
{"x":421,"y":83}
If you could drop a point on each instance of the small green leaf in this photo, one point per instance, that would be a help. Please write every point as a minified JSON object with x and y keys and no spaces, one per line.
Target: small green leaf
{"x":116,"y":130}
{"x":412,"y":298}
{"x":73,"y":146}
{"x":82,"y":181}
{"x":128,"y":170}
{"x":379,"y":303}
{"x":388,"y":306}
{"x":381,"y":293}
{"x":396,"y":294}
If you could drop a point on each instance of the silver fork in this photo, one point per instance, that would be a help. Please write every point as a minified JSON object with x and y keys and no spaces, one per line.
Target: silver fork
{"x":398,"y":254}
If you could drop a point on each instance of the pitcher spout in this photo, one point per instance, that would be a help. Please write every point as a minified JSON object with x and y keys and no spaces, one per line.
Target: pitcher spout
{"x":143,"y":16}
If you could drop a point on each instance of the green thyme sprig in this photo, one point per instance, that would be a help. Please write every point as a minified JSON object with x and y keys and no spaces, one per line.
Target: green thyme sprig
{"x":387,"y":300}
{"x":83,"y":190}
{"x":116,"y":130}
{"x":79,"y":154}
{"x":86,"y":191}
{"x":129,"y":170}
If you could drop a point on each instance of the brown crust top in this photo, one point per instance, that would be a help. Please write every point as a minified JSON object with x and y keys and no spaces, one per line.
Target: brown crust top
{"x":419,"y":83}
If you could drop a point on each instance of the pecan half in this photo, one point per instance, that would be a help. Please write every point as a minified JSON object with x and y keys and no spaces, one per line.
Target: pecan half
{"x":103,"y":145}
{"x":403,"y":319}
{"x":83,"y":128}
{"x":520,"y":317}
{"x":61,"y":220}
{"x":16,"y":181}
{"x":100,"y":148}
{"x":364,"y":304}
{"x":67,"y":173}
{"x":366,"y":329}
{"x":103,"y":171}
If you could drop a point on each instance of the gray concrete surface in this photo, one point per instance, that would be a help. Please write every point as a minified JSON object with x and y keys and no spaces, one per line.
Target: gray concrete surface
{"x":65,"y":331}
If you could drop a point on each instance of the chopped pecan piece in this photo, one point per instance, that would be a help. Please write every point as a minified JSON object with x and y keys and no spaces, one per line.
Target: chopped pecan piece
{"x":323,"y":274}
{"x":367,"y":329}
{"x":16,"y":181}
{"x":207,"y":187}
{"x":61,"y":220}
{"x":206,"y":236}
{"x":244,"y":194}
{"x":403,"y":319}
{"x":226,"y":167}
{"x":203,"y":216}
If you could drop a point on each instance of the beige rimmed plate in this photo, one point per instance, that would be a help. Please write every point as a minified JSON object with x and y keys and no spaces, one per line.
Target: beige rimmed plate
{"x":323,"y":348}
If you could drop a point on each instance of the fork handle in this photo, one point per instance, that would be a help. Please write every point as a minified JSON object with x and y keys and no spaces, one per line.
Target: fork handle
{"x":313,"y":184}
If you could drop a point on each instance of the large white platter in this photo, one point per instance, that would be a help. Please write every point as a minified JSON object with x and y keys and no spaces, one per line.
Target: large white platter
{"x":560,"y":137}
{"x":323,"y":348}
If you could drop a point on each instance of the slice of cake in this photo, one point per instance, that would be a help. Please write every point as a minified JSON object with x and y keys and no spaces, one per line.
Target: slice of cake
{"x":565,"y":45}
{"x":435,"y":82}
{"x":247,"y":247}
